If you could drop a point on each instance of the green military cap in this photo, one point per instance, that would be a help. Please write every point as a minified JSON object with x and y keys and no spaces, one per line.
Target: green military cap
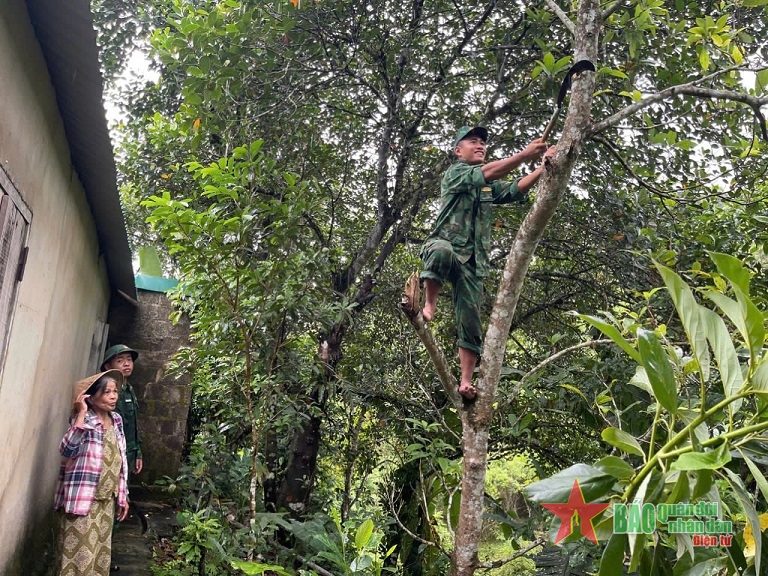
{"x":118,"y":349}
{"x":466,"y":131}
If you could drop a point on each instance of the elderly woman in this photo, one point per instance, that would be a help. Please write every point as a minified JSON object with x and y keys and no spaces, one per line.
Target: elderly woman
{"x":93,"y":475}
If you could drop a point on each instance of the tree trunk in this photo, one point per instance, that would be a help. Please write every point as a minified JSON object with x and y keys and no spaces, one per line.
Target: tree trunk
{"x":353,"y":439}
{"x":475,"y":449}
{"x":299,"y":478}
{"x":407,"y":503}
{"x":300,"y":473}
{"x":271,"y":459}
{"x":476,"y":419}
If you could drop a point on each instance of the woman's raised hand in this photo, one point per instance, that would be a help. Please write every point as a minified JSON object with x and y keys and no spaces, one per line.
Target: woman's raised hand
{"x":80,"y":408}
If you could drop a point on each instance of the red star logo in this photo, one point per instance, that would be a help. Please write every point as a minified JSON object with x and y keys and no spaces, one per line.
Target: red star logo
{"x":576,"y":512}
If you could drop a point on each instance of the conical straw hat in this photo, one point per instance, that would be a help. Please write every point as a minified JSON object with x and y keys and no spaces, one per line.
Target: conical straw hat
{"x":82,"y":385}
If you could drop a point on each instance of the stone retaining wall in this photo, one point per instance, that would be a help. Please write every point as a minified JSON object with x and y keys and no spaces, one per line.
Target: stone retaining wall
{"x":163,"y":400}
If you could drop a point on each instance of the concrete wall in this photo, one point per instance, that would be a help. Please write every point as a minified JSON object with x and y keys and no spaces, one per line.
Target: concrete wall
{"x":62,"y":299}
{"x":163,"y":400}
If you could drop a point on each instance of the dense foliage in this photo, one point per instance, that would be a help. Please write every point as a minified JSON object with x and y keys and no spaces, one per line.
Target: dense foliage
{"x":287,"y":159}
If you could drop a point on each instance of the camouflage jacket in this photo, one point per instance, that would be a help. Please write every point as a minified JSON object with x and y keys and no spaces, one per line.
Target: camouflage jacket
{"x":128,"y":408}
{"x":464,"y":218}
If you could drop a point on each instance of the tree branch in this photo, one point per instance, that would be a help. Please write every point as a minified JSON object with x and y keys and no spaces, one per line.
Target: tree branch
{"x":416,"y":537}
{"x":562,"y":16}
{"x":319,"y":569}
{"x":499,"y":563}
{"x":644,"y":183}
{"x":605,"y":14}
{"x":549,"y":360}
{"x":410,"y":305}
{"x":689,"y":89}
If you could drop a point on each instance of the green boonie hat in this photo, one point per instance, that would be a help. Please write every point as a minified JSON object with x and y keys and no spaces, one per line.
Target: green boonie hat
{"x":465,"y":131}
{"x":118,"y":349}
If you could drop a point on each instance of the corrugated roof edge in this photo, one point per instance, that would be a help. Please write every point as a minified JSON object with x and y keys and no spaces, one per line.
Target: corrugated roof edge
{"x":68,"y":41}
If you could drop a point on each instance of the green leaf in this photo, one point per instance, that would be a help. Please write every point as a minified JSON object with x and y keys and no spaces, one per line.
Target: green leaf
{"x":193,"y":99}
{"x":759,"y":381}
{"x":757,"y":474}
{"x":562,"y":63}
{"x":616,"y":467}
{"x":732,"y":269}
{"x":640,"y":379}
{"x":739,"y":277}
{"x":637,"y":541}
{"x":363,"y":534}
{"x":614,"y":72}
{"x":594,"y":483}
{"x":659,"y":369}
{"x":704,"y":481}
{"x":613,"y":333}
{"x":690,"y":314}
{"x":612,"y":561}
{"x":704,"y":59}
{"x":455,"y":509}
{"x":757,"y":450}
{"x":749,"y":510}
{"x":701,"y":432}
{"x":252,"y":568}
{"x":638,"y":553}
{"x":360,"y":563}
{"x":711,"y":460}
{"x":623,"y":441}
{"x":725,"y":356}
{"x":573,"y":388}
{"x":736,"y":556}
{"x":745,"y":316}
{"x":762,"y":76}
{"x":681,"y":490}
{"x":685,"y":545}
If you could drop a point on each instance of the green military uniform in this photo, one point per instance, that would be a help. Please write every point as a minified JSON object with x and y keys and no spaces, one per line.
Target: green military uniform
{"x":457,"y":249}
{"x":128,"y":408}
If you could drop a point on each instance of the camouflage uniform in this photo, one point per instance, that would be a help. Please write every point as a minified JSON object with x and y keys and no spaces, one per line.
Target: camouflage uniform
{"x":457,"y":248}
{"x":128,"y":408}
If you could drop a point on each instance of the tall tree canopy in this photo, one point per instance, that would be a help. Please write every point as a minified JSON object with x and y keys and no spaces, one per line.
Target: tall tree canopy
{"x":292,"y":153}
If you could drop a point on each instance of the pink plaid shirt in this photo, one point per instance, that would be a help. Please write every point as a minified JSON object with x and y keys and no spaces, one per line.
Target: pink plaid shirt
{"x":82,"y":449}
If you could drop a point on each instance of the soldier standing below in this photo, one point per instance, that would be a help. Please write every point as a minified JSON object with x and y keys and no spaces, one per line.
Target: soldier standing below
{"x":457,"y":248}
{"x":121,"y":357}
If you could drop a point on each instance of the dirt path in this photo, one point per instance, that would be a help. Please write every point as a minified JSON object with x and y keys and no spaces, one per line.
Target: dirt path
{"x":132,"y":550}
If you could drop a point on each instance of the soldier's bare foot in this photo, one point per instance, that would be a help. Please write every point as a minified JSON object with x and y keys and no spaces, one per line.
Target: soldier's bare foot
{"x":467,"y":390}
{"x":428,"y":312}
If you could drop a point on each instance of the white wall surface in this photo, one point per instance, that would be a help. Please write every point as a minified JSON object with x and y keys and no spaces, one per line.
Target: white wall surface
{"x":63,"y":294}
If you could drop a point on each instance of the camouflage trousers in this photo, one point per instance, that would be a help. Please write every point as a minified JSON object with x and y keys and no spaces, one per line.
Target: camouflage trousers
{"x":441,"y":264}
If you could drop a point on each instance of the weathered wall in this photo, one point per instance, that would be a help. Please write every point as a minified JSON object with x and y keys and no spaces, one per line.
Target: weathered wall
{"x":63,"y":297}
{"x":163,"y":400}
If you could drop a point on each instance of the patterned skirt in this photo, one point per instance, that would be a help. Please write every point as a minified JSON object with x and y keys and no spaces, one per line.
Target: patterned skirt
{"x":85,"y":542}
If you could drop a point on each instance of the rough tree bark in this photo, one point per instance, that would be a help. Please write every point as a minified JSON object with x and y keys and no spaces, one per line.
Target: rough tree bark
{"x":299,"y":478}
{"x":476,"y":417}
